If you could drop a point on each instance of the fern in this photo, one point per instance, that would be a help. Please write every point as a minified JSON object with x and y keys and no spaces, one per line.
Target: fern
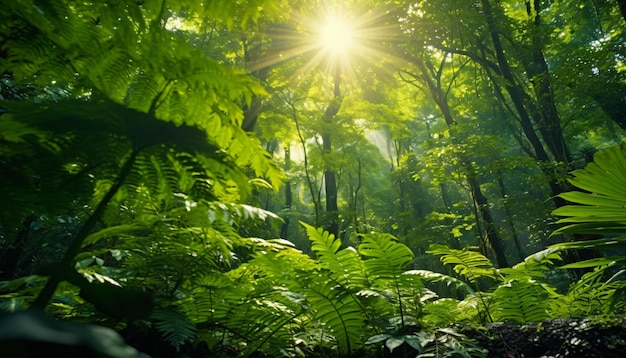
{"x":385,"y":256}
{"x":533,"y":266}
{"x":109,"y":135}
{"x":385,"y":259}
{"x":174,"y":327}
{"x":520,"y":301}
{"x":472,"y":265}
{"x":439,"y":277}
{"x":344,"y":265}
{"x":118,"y":52}
{"x":441,"y":312}
{"x":339,"y":311}
{"x":593,"y":294}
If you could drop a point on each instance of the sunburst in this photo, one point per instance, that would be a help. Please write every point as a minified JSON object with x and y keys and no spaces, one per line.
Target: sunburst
{"x":334,"y":40}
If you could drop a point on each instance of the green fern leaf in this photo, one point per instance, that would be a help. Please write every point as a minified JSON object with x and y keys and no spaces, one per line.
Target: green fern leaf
{"x":385,"y":256}
{"x":439,"y":277}
{"x":472,"y":265}
{"x":174,"y":326}
{"x":520,"y":301}
{"x":339,"y":311}
{"x":534,"y":266}
{"x":344,"y":265}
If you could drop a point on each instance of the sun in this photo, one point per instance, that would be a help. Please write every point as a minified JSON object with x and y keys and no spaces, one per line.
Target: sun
{"x":337,"y":37}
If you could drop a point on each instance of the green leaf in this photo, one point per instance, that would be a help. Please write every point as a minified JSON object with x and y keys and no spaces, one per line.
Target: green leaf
{"x":439,"y":277}
{"x":384,"y":255}
{"x":520,"y":301}
{"x":344,"y":265}
{"x":471,"y":264}
{"x":595,"y":262}
{"x":414,"y":341}
{"x":338,"y":310}
{"x":174,"y":326}
{"x":394,"y":342}
{"x":378,"y":338}
{"x":602,"y":211}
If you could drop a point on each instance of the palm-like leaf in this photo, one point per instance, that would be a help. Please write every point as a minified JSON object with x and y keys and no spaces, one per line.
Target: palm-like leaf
{"x":605,"y":179}
{"x":602,"y":210}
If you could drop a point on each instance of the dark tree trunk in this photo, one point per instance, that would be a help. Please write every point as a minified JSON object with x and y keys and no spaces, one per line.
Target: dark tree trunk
{"x":516,"y":92}
{"x":622,"y":8}
{"x":546,"y":115}
{"x":491,"y":231}
{"x":330,"y":177}
{"x":284,"y":230}
{"x":518,"y":96}
{"x":509,"y":219}
{"x":612,"y":102}
{"x":252,"y":57}
{"x":433,"y":80}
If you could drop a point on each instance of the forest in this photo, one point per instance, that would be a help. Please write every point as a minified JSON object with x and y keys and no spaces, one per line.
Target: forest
{"x":312,"y":178}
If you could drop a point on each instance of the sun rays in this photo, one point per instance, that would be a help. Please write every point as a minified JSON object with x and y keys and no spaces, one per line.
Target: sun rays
{"x":337,"y":37}
{"x":332,"y":39}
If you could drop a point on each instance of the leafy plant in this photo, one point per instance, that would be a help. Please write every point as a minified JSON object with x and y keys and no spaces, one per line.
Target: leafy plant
{"x":470,"y":264}
{"x":598,"y":211}
{"x":518,"y":295}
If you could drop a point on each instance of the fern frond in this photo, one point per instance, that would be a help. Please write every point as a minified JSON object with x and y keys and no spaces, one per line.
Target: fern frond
{"x":534,"y":266}
{"x":472,"y":265}
{"x":339,"y":311}
{"x":385,"y":257}
{"x":174,"y":326}
{"x":594,"y":294}
{"x":441,"y":312}
{"x":520,"y":301}
{"x":439,"y":277}
{"x":345,"y":266}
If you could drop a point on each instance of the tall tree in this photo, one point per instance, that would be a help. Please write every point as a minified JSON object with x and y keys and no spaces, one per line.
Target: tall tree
{"x":432,"y":77}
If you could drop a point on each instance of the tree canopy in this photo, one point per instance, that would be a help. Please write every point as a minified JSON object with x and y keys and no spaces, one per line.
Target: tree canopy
{"x":310,"y":178}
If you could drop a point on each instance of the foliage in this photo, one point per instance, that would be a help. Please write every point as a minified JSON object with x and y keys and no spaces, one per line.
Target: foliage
{"x":140,"y":143}
{"x":470,"y":264}
{"x":600,"y":209}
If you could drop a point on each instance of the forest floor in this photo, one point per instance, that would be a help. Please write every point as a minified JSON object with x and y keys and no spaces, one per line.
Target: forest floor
{"x":584,"y":337}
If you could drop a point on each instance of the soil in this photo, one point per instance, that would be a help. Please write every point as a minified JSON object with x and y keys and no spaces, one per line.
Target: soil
{"x":588,"y":337}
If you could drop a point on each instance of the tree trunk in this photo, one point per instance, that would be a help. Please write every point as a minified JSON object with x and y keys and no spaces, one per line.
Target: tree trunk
{"x":509,"y":219}
{"x":315,"y":198}
{"x":440,"y":98}
{"x":546,"y":116}
{"x":622,"y":8}
{"x":517,"y":94}
{"x":252,"y":57}
{"x":284,"y":230}
{"x":491,"y":231}
{"x":330,"y":177}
